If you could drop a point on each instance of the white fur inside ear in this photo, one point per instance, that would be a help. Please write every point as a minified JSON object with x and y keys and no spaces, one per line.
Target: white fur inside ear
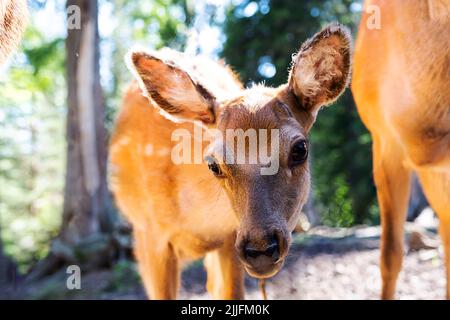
{"x":13,"y":20}
{"x":314,"y":68}
{"x":182,"y":91}
{"x":172,"y":82}
{"x":321,"y":69}
{"x":130,"y":65}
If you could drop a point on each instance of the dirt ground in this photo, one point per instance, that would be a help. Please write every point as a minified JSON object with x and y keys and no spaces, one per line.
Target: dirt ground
{"x":343,"y":264}
{"x":324,"y":263}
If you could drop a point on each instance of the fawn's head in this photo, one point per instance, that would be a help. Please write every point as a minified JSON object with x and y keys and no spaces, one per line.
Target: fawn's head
{"x":266,"y":203}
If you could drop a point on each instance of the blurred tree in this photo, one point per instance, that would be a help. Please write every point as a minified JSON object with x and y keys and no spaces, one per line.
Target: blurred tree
{"x":261,"y":36}
{"x":85,"y":198}
{"x":87,"y":220}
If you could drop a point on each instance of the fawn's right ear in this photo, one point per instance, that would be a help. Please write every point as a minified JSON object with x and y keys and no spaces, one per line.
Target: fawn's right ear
{"x":321,"y":69}
{"x":172,"y":88}
{"x":13,"y":21}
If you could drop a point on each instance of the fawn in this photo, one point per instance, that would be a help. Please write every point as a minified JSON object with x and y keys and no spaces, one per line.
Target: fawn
{"x":234,"y":212}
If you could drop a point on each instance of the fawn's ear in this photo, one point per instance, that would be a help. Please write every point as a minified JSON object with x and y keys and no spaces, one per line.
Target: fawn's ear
{"x":179,"y":96}
{"x":321,"y":69}
{"x":13,"y":21}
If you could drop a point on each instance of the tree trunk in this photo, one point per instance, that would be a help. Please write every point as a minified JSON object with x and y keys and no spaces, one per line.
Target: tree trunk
{"x":86,"y":203}
{"x":86,"y":237}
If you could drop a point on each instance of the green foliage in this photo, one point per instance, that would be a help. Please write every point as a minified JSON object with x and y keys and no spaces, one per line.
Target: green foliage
{"x":275,"y":35}
{"x":261,"y":37}
{"x":124,"y":277}
{"x":32,"y":148}
{"x":341,"y":158}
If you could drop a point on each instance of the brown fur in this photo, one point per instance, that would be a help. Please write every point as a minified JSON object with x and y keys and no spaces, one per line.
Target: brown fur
{"x":183,"y":211}
{"x":13,"y":18}
{"x":401,"y":87}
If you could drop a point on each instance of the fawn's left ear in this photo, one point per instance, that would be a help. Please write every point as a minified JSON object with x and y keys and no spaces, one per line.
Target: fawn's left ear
{"x":321,"y":69}
{"x":176,"y":93}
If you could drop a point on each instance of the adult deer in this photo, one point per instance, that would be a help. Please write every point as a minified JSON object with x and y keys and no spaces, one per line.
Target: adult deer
{"x":13,"y":18}
{"x":237,"y":217}
{"x":401,"y":84}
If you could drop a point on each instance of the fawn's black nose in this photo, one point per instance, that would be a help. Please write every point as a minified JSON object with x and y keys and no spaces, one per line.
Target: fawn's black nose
{"x":272,"y":250}
{"x":262,"y":253}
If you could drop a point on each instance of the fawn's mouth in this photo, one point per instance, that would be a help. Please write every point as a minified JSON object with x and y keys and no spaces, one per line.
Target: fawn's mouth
{"x":263,"y":271}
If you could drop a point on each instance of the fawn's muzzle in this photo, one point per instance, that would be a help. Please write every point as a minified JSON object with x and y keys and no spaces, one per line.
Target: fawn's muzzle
{"x":262,"y":256}
{"x":272,"y":251}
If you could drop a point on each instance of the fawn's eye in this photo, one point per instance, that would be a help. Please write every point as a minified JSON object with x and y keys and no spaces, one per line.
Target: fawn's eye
{"x":213,"y":166}
{"x":299,"y":152}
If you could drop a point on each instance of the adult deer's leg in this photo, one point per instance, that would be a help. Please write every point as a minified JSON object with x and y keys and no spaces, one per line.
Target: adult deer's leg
{"x":225,"y":272}
{"x":158,"y":265}
{"x":436,"y":186}
{"x":392,"y":180}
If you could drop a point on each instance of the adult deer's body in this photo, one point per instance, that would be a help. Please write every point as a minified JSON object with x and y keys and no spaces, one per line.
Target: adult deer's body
{"x":228,"y":212}
{"x":13,"y":17}
{"x":401,"y":84}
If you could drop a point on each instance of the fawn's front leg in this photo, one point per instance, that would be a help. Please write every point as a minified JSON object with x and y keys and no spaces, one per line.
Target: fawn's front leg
{"x":158,"y":265}
{"x":225,"y":272}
